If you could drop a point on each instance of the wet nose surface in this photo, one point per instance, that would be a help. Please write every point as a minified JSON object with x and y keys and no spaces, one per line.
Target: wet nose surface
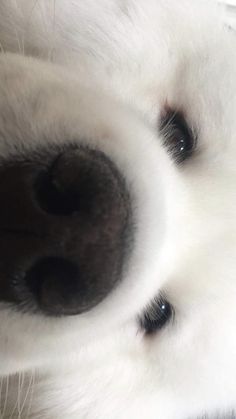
{"x":65,"y":230}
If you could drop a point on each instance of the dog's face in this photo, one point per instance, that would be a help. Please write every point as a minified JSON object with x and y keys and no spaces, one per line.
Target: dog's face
{"x":118,"y":239}
{"x":78,"y":230}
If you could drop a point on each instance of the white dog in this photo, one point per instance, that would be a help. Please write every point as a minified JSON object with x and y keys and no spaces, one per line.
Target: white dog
{"x":117,"y":215}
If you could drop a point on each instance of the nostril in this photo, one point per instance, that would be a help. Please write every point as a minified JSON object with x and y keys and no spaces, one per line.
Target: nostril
{"x":55,"y":284}
{"x":55,"y":189}
{"x":53,"y":198}
{"x":77,"y":181}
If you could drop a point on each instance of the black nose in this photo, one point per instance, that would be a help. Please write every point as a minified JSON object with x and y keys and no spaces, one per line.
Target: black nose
{"x":65,"y":230}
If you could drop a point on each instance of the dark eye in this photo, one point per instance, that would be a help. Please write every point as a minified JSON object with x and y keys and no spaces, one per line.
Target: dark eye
{"x":156,"y":316}
{"x":179,"y":139}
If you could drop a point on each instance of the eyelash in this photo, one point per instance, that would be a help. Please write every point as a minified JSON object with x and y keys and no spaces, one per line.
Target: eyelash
{"x":179,"y":139}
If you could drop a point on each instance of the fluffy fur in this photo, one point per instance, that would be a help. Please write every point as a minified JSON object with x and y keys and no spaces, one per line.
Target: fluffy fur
{"x":104,"y":72}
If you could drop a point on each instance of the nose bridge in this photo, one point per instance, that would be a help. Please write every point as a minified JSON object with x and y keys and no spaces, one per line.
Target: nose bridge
{"x":65,"y":230}
{"x":211,"y":197}
{"x":204,"y":214}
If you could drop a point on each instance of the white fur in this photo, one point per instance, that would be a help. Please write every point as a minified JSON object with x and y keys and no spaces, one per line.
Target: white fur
{"x":103,"y":72}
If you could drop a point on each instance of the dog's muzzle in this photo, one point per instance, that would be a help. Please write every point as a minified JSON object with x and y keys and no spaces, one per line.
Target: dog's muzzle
{"x":65,"y":230}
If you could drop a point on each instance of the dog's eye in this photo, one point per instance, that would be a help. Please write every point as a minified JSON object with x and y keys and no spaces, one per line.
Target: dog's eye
{"x":179,"y":139}
{"x":156,"y":316}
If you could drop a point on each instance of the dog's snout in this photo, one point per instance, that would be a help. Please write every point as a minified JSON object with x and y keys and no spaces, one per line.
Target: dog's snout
{"x":65,"y":230}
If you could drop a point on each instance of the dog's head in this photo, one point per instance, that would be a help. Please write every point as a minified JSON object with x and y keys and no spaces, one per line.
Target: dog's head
{"x":117,"y":237}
